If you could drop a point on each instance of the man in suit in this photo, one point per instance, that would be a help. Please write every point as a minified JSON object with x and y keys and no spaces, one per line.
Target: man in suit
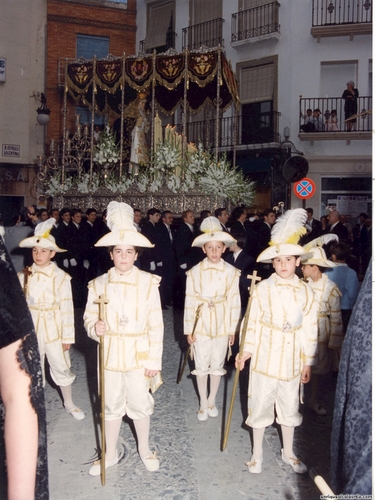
{"x":187,"y":256}
{"x":312,"y":226}
{"x":165,"y":252}
{"x":336,"y":227}
{"x":148,"y":257}
{"x":223,"y":216}
{"x":263,"y":240}
{"x":245,"y":263}
{"x":88,"y":235}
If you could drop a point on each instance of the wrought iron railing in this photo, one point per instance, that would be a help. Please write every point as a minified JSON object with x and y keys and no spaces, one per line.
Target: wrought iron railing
{"x":232,"y":130}
{"x":332,"y":116}
{"x":338,"y":12}
{"x":208,"y":34}
{"x":170,"y":43}
{"x":255,"y":22}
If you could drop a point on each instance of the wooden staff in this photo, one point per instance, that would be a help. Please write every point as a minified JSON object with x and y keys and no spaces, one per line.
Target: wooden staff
{"x":102,"y":301}
{"x":322,"y":485}
{"x":26,"y":272}
{"x":197,"y":316}
{"x":254,"y":278}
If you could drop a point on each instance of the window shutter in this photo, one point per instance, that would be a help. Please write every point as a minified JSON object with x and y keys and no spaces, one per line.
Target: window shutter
{"x":159,"y":18}
{"x":257,"y":83}
{"x":251,"y":4}
{"x":205,"y":10}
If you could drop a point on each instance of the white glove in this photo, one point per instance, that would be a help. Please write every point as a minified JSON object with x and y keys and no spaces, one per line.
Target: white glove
{"x":152,"y":266}
{"x":159,"y":264}
{"x":183,"y":266}
{"x":73,"y":262}
{"x":86,"y":264}
{"x":66,"y":263}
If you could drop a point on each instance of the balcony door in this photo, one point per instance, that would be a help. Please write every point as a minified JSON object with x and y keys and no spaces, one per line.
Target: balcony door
{"x":258,"y":88}
{"x":257,"y":17}
{"x":160,"y":26}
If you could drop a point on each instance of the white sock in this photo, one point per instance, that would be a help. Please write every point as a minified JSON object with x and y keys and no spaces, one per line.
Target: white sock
{"x":112,"y":431}
{"x":142,"y":428}
{"x":214,"y":387}
{"x":288,"y":434}
{"x":258,"y":443}
{"x":66,"y":392}
{"x":202,"y":390}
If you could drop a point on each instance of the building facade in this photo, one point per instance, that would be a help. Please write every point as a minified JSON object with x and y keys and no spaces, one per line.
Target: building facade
{"x":288,"y":57}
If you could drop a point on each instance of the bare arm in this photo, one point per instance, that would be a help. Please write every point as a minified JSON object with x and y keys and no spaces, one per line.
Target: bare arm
{"x":21,"y":426}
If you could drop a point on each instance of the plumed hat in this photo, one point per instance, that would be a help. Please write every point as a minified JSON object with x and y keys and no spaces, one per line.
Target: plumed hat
{"x":120,"y":220}
{"x":317,"y":254}
{"x":285,"y":235}
{"x":42,"y":237}
{"x":212,"y":231}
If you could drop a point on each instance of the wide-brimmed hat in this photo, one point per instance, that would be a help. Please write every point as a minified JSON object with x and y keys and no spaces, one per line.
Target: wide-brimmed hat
{"x":120,"y":220}
{"x":42,"y":237}
{"x":212,"y":231}
{"x":285,"y":235}
{"x":318,"y":256}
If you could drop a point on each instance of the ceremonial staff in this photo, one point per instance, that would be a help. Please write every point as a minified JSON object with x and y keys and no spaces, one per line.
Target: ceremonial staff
{"x":254,"y":278}
{"x":189,"y":351}
{"x":102,"y":301}
{"x":26,"y":272}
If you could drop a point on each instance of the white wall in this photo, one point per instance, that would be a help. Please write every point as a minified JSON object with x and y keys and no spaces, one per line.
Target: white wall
{"x":22,"y":43}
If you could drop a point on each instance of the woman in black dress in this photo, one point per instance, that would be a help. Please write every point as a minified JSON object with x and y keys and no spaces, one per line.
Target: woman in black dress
{"x":23,"y":440}
{"x":350,"y":108}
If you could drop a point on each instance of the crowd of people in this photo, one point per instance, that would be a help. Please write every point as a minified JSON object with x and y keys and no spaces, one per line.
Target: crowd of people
{"x":138,"y":267}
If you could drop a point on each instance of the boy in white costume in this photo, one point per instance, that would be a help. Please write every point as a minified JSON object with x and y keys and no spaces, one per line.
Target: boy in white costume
{"x":133,"y":335}
{"x":281,"y":339}
{"x":214,"y":284}
{"x":330,"y":329}
{"x":49,"y":297}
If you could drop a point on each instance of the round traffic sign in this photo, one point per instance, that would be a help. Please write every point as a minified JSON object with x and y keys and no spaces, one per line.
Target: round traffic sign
{"x":304,"y":188}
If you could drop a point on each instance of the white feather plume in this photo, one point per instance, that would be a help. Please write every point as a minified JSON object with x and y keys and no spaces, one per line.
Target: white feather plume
{"x":120,"y":216}
{"x":43,"y":229}
{"x":289,"y":227}
{"x":320,"y":241}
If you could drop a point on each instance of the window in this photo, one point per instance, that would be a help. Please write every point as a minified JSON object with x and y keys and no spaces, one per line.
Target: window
{"x":201,"y":12}
{"x":257,"y":95}
{"x":89,"y":46}
{"x":349,"y":195}
{"x":159,"y":33}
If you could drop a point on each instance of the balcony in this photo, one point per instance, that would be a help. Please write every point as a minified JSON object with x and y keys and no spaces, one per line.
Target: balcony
{"x":238,"y":131}
{"x":253,"y":25}
{"x":208,"y":34}
{"x":341,"y":18}
{"x":328,"y":126}
{"x":170,"y":43}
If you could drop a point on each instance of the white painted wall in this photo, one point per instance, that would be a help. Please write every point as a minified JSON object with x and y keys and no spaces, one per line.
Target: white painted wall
{"x":22,"y":43}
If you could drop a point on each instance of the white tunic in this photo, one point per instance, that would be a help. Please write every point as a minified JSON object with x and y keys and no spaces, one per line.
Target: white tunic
{"x":216,"y":287}
{"x":282,"y":327}
{"x":50,"y":302}
{"x":134,"y":337}
{"x":330,"y":330}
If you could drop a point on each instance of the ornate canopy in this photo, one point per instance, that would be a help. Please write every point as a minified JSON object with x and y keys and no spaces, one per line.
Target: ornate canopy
{"x":170,"y":79}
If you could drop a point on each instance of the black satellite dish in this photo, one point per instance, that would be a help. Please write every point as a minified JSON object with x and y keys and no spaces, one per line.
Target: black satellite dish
{"x":295,"y":169}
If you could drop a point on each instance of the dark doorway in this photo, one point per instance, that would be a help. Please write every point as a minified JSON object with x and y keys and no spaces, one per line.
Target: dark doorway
{"x":10,"y":208}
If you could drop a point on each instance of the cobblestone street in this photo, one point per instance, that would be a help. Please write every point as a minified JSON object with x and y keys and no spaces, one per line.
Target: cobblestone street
{"x":192,"y":466}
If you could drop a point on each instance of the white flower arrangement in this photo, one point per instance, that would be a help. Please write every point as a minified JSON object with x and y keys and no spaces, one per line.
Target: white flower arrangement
{"x":167,"y":157}
{"x":116,"y":185}
{"x":107,"y":151}
{"x":142,"y":183}
{"x":84,"y":186}
{"x":174,"y":183}
{"x":221,"y":180}
{"x":54,"y":185}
